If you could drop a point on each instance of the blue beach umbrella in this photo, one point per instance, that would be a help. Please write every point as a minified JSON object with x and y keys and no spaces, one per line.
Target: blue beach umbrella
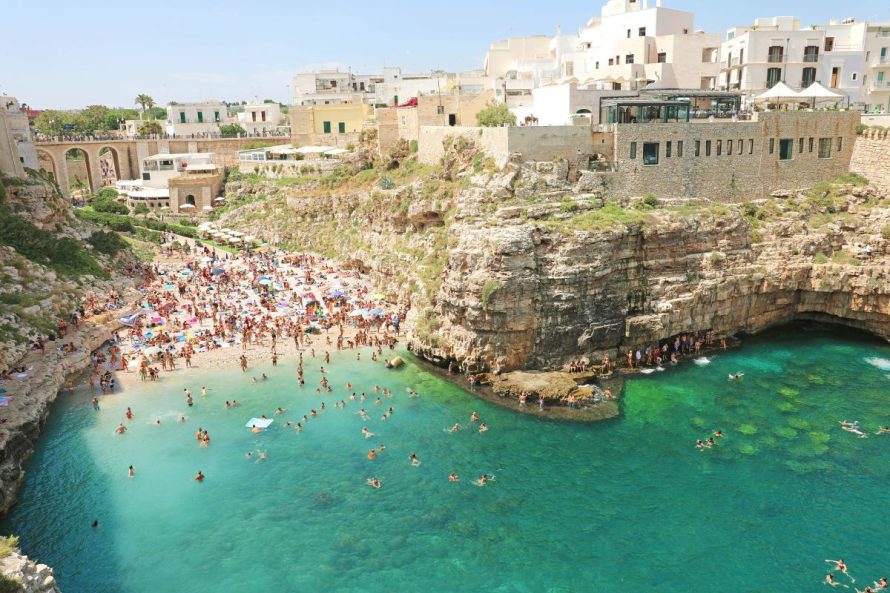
{"x":218,"y":271}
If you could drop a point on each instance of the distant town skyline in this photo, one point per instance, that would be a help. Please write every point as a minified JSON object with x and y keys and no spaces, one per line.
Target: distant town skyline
{"x":79,"y":54}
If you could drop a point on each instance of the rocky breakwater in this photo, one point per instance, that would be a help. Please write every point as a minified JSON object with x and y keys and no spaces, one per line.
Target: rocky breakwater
{"x":542,"y":273}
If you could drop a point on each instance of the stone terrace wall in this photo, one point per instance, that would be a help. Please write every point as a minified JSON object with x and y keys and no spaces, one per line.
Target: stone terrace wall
{"x":740,"y":164}
{"x":493,"y":141}
{"x":871,"y":157}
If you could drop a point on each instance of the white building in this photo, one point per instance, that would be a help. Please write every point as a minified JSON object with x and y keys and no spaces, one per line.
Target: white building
{"x":631,"y":44}
{"x":260,"y":118}
{"x":178,"y":182}
{"x":876,"y":75}
{"x":330,"y":87}
{"x":17,"y":149}
{"x":198,"y":119}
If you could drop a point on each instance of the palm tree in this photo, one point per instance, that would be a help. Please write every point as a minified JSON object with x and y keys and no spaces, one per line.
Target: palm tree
{"x":146,"y":101}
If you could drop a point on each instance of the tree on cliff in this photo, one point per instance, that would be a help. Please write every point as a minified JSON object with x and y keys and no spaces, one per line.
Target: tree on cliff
{"x":495,"y":115}
{"x":146,"y":101}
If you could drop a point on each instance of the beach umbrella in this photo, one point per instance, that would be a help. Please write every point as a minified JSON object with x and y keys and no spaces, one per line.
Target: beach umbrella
{"x":218,"y":271}
{"x":265,"y":281}
{"x":357,"y":313}
{"x":376,"y":311}
{"x":337,"y":293}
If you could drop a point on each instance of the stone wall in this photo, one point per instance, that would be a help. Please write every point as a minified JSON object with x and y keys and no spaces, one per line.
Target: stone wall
{"x":732,"y":160}
{"x":34,"y":577}
{"x":871,"y":157}
{"x":530,"y":143}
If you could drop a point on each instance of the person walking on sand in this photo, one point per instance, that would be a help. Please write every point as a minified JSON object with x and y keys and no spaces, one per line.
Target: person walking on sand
{"x":243,"y":360}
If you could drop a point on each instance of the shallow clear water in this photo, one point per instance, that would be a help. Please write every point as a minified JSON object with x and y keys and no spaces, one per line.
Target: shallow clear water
{"x":630,"y":503}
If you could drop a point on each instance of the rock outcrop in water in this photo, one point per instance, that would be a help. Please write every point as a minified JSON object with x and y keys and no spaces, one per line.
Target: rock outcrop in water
{"x":521,"y":269}
{"x":32,"y":576}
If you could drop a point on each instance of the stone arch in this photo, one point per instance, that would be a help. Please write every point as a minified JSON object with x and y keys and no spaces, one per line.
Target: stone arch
{"x":79,"y":176}
{"x":46,"y":159}
{"x":109,"y":165}
{"x":190,"y":199}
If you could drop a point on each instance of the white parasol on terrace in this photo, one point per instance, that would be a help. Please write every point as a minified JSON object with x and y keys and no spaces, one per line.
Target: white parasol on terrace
{"x":779,"y":93}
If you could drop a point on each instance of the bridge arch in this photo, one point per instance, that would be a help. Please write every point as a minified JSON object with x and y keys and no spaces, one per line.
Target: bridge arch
{"x":78,"y":163}
{"x":110,"y":169}
{"x":46,"y":161}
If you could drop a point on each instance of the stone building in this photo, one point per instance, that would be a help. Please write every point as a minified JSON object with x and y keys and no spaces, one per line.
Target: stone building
{"x":17,"y":149}
{"x":186,"y":183}
{"x":196,"y":119}
{"x":337,"y":124}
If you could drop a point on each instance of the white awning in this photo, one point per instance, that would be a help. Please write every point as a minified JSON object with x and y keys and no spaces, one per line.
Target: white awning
{"x":200,"y":167}
{"x":817,"y":91}
{"x":312,"y":149}
{"x":150,"y":193}
{"x":778,"y":92}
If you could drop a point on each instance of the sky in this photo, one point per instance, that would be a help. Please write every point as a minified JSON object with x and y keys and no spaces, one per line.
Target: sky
{"x":66,"y":55}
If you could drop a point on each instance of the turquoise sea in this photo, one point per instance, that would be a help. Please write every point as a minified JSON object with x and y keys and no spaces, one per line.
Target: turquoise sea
{"x":629,"y":504}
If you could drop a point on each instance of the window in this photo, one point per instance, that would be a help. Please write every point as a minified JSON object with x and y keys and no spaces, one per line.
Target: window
{"x":811,"y":145}
{"x":679,"y":148}
{"x":642,"y":31}
{"x":633,"y":150}
{"x":361,"y":86}
{"x":776,"y":52}
{"x":811,"y":53}
{"x":719,"y":147}
{"x":617,"y":60}
{"x":216,"y":116}
{"x":729,"y":148}
{"x":200,"y":117}
{"x":800,"y":146}
{"x":629,"y":59}
{"x":440,"y":110}
{"x":840,"y":144}
{"x":741,"y":147}
{"x":697,"y":147}
{"x":182,"y":117}
{"x":786,"y":149}
{"x":263,"y":115}
{"x":650,"y":153}
{"x":824,"y":148}
{"x":829,"y":43}
{"x":597,"y":66}
{"x":808,"y":77}
{"x":253,"y":115}
{"x":667,"y":150}
{"x":326,"y":127}
{"x":751,"y":146}
{"x":662,"y":57}
{"x":707,"y":148}
{"x":854,"y":76}
{"x":772,"y":145}
{"x":773,"y":76}
{"x":741,"y":56}
{"x":628,"y":33}
{"x":341,"y":127}
{"x":611,"y":61}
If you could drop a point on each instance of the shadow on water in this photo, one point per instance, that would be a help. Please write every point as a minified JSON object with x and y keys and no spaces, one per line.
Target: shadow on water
{"x":58,"y":504}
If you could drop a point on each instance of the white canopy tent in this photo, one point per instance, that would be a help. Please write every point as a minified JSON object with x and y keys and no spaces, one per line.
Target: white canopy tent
{"x":779,"y":93}
{"x":817,"y":92}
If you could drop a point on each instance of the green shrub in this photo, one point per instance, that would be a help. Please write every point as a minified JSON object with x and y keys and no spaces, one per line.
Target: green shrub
{"x":109,"y":205}
{"x":567,"y":206}
{"x":412,"y":146}
{"x":64,"y":255}
{"x":650,"y":200}
{"x":106,"y":242}
{"x":141,"y":209}
{"x":821,"y":258}
{"x":386,"y":183}
{"x":488,"y":289}
{"x":8,"y":545}
{"x":108,"y":193}
{"x":10,"y":585}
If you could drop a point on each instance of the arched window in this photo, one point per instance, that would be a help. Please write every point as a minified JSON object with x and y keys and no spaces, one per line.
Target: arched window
{"x":190,"y":199}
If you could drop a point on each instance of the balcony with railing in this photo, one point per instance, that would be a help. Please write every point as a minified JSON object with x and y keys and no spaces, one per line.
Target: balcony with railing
{"x":880,"y":61}
{"x":880,"y":85}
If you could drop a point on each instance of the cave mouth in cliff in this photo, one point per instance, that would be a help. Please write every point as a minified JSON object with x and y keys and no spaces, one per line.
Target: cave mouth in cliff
{"x":818,"y":321}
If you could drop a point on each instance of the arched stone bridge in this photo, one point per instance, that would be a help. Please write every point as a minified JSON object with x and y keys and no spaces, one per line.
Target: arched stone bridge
{"x":126,"y":154}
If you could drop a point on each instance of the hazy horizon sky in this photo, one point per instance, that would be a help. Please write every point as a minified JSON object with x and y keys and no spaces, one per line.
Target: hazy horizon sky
{"x":66,"y":55}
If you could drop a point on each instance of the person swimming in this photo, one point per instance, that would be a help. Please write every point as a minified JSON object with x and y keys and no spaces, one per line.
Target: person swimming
{"x":841,"y":566}
{"x":254,"y":428}
{"x":200,"y":476}
{"x":474,"y":417}
{"x":95,"y":523}
{"x":883,"y":430}
{"x":454,"y":428}
{"x":736,"y":376}
{"x":483,"y":427}
{"x":415,"y":460}
{"x":482,"y":481}
{"x":882,"y":584}
{"x":372,"y":454}
{"x":279,"y":410}
{"x":373,"y":483}
{"x":121,"y":429}
{"x":452,"y":477}
{"x":699,"y":444}
{"x":718,"y":434}
{"x":130,"y":472}
{"x":368,"y":434}
{"x":249,"y":455}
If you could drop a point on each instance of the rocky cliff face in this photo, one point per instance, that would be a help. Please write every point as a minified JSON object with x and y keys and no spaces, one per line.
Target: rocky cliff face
{"x":32,"y":576}
{"x":521,"y":269}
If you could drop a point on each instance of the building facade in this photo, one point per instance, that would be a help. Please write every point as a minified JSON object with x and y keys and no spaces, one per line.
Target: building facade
{"x":17,"y":149}
{"x":261,"y":118}
{"x":184,"y":183}
{"x":196,"y":119}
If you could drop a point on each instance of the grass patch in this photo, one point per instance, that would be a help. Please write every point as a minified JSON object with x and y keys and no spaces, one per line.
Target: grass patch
{"x":820,"y":258}
{"x":488,"y":289}
{"x":8,"y":545}
{"x":610,"y":216}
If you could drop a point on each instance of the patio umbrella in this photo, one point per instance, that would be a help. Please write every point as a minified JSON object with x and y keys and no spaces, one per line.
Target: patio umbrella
{"x":186,"y":207}
{"x":218,"y":271}
{"x":219,"y":199}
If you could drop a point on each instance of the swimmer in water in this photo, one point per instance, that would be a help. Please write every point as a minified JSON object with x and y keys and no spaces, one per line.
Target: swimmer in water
{"x":830,"y":580}
{"x":121,"y":429}
{"x":474,"y":417}
{"x":736,"y":376}
{"x":454,"y":428}
{"x":158,"y":422}
{"x":883,"y":430}
{"x":699,"y":444}
{"x":249,"y":455}
{"x":368,"y":434}
{"x":95,"y":523}
{"x":882,"y":584}
{"x":482,"y":481}
{"x":183,"y":419}
{"x":373,"y":482}
{"x":841,"y":566}
{"x":415,"y":461}
{"x":129,"y":414}
{"x":298,"y":427}
{"x":854,"y":428}
{"x":372,"y":454}
{"x":279,"y":410}
{"x":254,"y":379}
{"x":254,"y":428}
{"x":452,"y":477}
{"x":199,"y":477}
{"x":130,"y":472}
{"x":264,"y":377}
{"x":483,"y":427}
{"x":719,"y":434}
{"x":261,"y":455}
{"x":203,"y":392}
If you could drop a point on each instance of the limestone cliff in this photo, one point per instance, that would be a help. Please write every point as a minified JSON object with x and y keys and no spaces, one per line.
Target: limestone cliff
{"x":522,"y":269}
{"x":30,"y":576}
